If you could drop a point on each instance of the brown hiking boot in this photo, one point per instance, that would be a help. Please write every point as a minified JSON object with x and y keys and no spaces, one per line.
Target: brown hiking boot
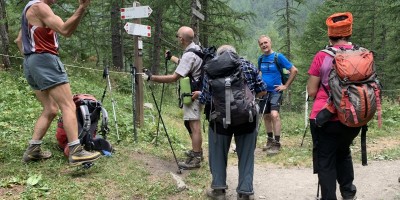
{"x":270,"y":142}
{"x":216,"y":194}
{"x":190,"y":153}
{"x":78,"y":155}
{"x":276,"y":147}
{"x":35,"y":153}
{"x":191,"y":163}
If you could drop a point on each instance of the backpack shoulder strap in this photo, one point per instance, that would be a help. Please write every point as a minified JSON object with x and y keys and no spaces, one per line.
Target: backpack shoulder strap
{"x":330,"y":50}
{"x":86,"y":120}
{"x":198,"y":53}
{"x":259,"y":62}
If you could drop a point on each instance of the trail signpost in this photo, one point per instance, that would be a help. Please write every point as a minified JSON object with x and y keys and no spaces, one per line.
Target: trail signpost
{"x":137,"y":30}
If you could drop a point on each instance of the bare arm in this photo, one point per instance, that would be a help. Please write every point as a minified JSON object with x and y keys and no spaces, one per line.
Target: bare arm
{"x":44,"y":14}
{"x":313,"y":85}
{"x":293,"y":73}
{"x":18,"y":41}
{"x":165,"y":78}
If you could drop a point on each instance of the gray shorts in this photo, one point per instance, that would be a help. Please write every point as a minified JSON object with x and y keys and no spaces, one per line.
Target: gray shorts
{"x":44,"y":70}
{"x":192,"y":111}
{"x":271,"y":101}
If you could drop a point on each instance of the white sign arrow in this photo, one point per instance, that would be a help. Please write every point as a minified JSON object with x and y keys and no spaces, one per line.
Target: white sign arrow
{"x":136,"y":12}
{"x":138,"y":29}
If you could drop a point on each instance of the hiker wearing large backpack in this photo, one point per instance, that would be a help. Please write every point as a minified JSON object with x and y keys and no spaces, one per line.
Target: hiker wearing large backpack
{"x":47,"y":76}
{"x":188,"y":65}
{"x":332,"y":159}
{"x":230,"y":85}
{"x":278,"y":73}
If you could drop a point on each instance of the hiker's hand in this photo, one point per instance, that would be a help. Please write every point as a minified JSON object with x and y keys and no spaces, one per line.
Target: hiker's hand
{"x":146,"y":74}
{"x":195,"y":95}
{"x":280,"y":88}
{"x":84,"y":3}
{"x":168,"y":55}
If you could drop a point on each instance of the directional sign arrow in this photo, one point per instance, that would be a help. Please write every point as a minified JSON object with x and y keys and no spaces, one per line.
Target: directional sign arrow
{"x":136,"y":12}
{"x":138,"y":29}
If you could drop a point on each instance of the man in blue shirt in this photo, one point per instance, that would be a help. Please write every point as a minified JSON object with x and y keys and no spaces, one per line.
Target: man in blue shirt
{"x":269,"y":64}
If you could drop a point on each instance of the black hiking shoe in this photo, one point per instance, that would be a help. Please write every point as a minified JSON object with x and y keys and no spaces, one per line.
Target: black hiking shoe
{"x":35,"y":153}
{"x":78,"y":156}
{"x":270,"y":143}
{"x":275,"y":149}
{"x":245,"y":196}
{"x":351,"y":198}
{"x":216,"y":194}
{"x":190,"y":153}
{"x":191,"y":163}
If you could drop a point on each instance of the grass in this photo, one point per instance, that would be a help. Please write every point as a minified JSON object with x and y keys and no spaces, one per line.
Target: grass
{"x":139,"y":169}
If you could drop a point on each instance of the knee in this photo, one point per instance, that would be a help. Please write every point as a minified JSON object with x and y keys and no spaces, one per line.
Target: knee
{"x":51,"y":111}
{"x":275,"y":116}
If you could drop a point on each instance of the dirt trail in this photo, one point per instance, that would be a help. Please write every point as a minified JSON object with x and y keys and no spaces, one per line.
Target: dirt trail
{"x":377,"y":181}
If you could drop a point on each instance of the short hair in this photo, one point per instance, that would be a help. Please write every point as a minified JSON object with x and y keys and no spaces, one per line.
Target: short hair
{"x":263,"y":36}
{"x":224,"y":48}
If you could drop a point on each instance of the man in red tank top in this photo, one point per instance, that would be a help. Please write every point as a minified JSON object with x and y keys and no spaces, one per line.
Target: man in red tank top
{"x":46,"y":75}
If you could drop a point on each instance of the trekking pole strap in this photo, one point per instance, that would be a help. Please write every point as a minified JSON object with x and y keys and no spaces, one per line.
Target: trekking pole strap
{"x":364,"y":130}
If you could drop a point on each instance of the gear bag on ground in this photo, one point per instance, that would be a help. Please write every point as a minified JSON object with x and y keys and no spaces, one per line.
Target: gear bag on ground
{"x":88,"y":112}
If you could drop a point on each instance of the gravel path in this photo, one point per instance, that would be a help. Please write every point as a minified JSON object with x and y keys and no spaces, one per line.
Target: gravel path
{"x":377,"y":181}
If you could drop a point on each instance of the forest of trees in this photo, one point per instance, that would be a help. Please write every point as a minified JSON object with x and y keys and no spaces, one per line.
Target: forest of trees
{"x":297,"y":28}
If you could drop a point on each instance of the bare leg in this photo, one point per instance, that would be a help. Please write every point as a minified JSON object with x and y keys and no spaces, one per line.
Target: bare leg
{"x":63,"y":96}
{"x":48,"y":114}
{"x":197,"y":140}
{"x":276,"y":121}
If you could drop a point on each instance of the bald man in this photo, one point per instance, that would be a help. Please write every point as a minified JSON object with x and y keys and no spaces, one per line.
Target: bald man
{"x":188,"y":65}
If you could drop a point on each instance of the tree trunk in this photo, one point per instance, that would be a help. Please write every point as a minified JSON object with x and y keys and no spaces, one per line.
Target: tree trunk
{"x":4,"y":36}
{"x":158,"y":19}
{"x":116,"y":37}
{"x":195,"y":24}
{"x":204,"y":28}
{"x":289,"y":101}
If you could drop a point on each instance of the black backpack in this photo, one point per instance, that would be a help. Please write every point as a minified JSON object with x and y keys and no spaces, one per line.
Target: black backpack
{"x":206,"y":54}
{"x":88,"y":112}
{"x":232,"y":101}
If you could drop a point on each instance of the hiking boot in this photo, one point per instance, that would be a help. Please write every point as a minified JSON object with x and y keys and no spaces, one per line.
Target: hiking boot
{"x":78,"y":156}
{"x":190,"y":153}
{"x":351,"y":198}
{"x":191,"y":163}
{"x":245,"y":197}
{"x":270,"y":142}
{"x":216,"y":194}
{"x":276,"y":147}
{"x":35,"y":153}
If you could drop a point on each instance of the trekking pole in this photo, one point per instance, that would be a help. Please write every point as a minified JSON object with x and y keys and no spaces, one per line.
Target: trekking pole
{"x":165,"y":129}
{"x":262,"y":113}
{"x":133,"y":74}
{"x":161,"y":101}
{"x":107,"y":75}
{"x":306,"y":123}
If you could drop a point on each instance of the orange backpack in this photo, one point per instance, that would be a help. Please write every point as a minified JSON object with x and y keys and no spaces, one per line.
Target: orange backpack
{"x":355,"y":90}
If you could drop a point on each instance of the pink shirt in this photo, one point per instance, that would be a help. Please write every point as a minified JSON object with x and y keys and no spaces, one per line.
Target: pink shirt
{"x":321,"y":98}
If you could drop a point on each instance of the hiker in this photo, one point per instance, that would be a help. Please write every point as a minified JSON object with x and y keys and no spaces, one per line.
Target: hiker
{"x":188,"y":65}
{"x":271,"y":65}
{"x":245,"y":134}
{"x":332,"y":159}
{"x":46,"y":75}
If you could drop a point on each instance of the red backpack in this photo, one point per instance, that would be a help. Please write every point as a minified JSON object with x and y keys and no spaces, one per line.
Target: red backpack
{"x":88,"y":112}
{"x":355,"y":92}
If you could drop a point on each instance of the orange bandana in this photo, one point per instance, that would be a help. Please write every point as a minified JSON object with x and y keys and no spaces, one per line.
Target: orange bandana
{"x":342,"y":28}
